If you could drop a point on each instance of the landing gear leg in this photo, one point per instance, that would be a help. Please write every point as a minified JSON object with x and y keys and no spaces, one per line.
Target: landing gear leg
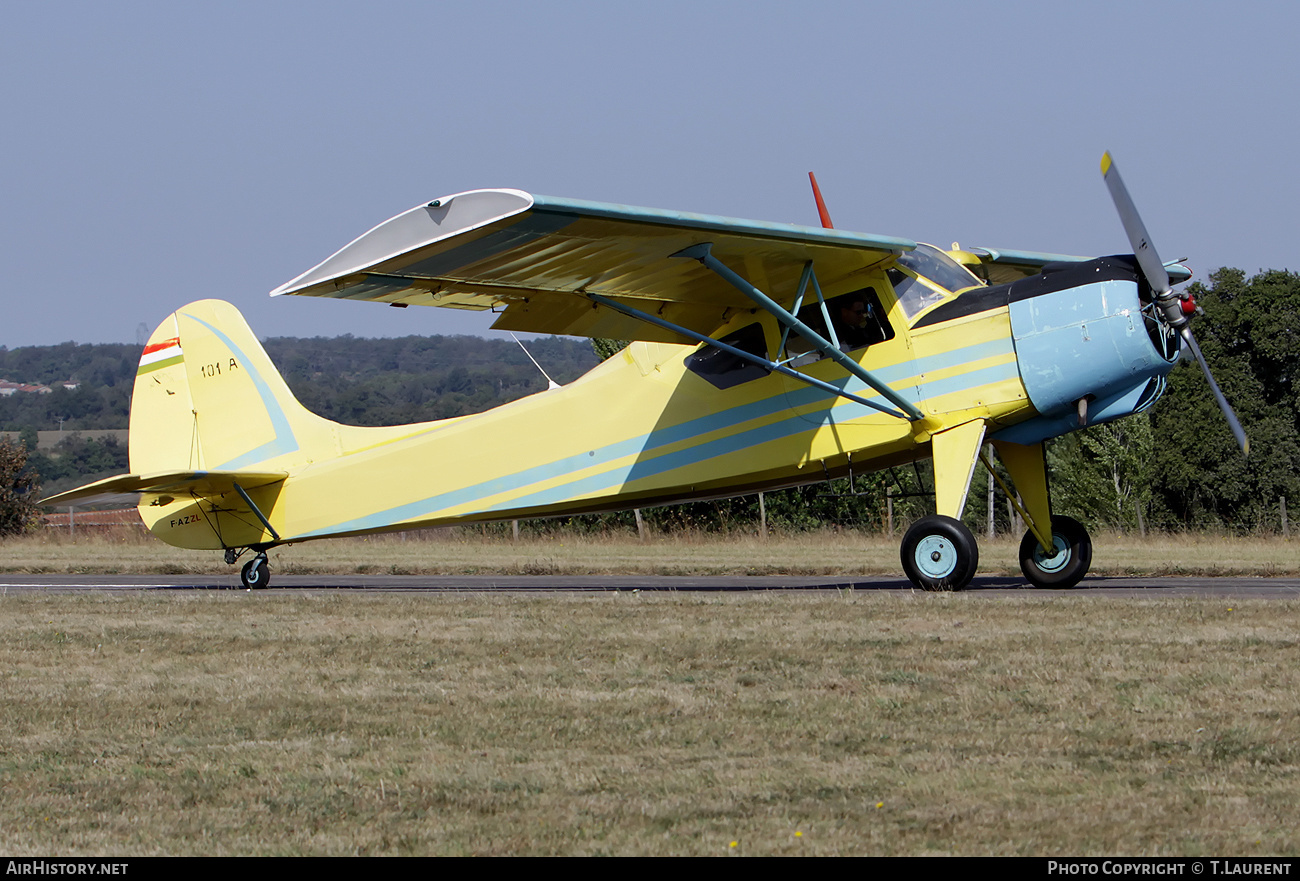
{"x":256,"y":573}
{"x":939,"y":552}
{"x":1056,"y":551}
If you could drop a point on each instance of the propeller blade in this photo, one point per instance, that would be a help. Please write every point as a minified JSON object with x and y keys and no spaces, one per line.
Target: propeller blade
{"x":1237,"y":431}
{"x":1158,"y":278}
{"x":1143,"y":250}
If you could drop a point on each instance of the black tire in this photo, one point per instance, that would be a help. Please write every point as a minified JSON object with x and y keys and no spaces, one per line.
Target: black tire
{"x":1068,"y":565}
{"x":256,"y":574}
{"x":939,"y":553}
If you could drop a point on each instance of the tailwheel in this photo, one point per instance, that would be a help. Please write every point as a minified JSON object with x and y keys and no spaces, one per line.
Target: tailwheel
{"x":1067,"y":562}
{"x":939,"y":553}
{"x":256,"y":573}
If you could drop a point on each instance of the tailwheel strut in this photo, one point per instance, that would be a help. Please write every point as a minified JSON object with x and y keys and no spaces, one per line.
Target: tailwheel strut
{"x":256,"y":573}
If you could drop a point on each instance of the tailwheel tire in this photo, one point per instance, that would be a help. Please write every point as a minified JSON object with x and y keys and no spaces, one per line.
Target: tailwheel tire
{"x":939,"y":553}
{"x":1068,"y":561}
{"x":256,"y":573}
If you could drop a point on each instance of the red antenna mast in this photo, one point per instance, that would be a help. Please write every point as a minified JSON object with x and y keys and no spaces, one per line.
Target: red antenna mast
{"x":821,"y":205}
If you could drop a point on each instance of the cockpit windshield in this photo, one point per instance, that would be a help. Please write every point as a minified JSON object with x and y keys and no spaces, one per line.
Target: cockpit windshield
{"x":934,"y":266}
{"x":938,"y":267}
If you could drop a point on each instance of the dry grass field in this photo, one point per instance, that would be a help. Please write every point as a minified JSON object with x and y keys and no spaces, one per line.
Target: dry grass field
{"x":884,"y":723}
{"x":466,"y":552}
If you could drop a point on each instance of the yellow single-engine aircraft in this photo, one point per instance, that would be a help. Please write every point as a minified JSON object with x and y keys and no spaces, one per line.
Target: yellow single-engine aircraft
{"x":766,"y":355}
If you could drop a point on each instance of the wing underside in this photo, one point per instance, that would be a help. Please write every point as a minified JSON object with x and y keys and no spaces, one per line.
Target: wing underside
{"x":534,"y":259}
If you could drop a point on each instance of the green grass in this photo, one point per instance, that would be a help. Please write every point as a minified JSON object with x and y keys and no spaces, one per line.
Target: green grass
{"x":769,"y":723}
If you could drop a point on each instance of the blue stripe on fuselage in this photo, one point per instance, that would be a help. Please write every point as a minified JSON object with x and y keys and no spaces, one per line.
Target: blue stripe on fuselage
{"x":794,"y":425}
{"x":660,"y":437}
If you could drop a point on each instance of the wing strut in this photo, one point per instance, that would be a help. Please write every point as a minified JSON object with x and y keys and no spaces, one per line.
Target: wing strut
{"x":809,"y":275}
{"x":257,"y":512}
{"x":765,"y":363}
{"x":703,"y":253}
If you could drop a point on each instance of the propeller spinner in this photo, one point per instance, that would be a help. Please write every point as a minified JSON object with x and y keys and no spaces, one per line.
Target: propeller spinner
{"x":1169,"y":305}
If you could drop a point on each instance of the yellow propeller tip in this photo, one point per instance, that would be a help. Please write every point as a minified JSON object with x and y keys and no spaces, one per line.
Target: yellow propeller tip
{"x":1105,"y":163}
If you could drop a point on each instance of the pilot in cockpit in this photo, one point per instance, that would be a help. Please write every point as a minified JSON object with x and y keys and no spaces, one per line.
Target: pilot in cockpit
{"x":851,"y":322}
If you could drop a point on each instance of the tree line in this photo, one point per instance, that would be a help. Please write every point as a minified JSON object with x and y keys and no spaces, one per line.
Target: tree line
{"x":1177,"y":466}
{"x":1174,"y":467}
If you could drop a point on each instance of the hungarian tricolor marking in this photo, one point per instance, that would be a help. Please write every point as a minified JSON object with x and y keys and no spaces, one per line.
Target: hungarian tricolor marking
{"x":158,"y":355}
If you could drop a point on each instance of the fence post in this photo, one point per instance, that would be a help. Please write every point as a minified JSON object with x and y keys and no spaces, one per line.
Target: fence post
{"x":992,"y":523}
{"x":1017,"y":523}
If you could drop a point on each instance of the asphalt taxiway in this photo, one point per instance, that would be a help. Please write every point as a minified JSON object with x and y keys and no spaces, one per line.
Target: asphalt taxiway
{"x":990,"y":586}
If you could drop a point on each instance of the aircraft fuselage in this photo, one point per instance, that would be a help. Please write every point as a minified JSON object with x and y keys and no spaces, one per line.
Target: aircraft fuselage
{"x":649,"y":427}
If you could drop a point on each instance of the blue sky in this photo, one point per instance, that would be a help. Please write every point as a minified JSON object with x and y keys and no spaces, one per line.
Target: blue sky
{"x":158,"y":153}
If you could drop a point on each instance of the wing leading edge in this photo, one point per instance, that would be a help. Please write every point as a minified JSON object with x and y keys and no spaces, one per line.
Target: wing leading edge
{"x":534,"y":259}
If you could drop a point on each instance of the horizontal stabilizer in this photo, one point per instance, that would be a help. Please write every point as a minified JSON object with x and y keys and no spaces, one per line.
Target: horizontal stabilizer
{"x":199,"y":483}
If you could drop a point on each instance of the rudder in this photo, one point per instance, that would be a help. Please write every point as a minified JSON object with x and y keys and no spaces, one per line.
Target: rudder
{"x":207,"y":397}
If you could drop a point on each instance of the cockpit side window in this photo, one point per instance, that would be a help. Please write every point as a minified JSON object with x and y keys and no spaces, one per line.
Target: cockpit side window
{"x":927,"y":264}
{"x":913,"y":295}
{"x":858,"y":318}
{"x":725,"y":370}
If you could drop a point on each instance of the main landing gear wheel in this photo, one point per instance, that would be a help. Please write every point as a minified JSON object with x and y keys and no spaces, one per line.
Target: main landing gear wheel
{"x":939,"y":553}
{"x":1068,"y":562}
{"x":256,"y":574}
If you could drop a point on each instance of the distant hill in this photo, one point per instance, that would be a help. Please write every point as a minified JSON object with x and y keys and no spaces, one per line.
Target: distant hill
{"x":350,"y":380}
{"x":104,"y":372}
{"x":413,"y":379}
{"x":347,"y":379}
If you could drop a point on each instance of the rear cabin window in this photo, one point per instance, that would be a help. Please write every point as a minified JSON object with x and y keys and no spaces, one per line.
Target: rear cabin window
{"x":726,"y":370}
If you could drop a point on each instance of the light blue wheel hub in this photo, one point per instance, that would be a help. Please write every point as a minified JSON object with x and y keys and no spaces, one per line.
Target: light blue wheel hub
{"x":936,"y":556}
{"x":1059,"y":558}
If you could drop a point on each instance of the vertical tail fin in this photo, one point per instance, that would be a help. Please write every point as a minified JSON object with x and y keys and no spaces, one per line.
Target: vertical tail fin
{"x":215,"y":433}
{"x":207,"y":398}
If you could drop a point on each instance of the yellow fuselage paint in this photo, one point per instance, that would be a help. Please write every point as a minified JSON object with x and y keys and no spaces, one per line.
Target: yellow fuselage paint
{"x":639,"y":429}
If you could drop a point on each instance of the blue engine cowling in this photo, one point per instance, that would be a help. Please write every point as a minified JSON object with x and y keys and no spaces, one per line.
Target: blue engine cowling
{"x":1079,"y":332}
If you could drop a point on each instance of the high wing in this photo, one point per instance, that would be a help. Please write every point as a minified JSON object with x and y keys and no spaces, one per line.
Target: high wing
{"x":534,"y":259}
